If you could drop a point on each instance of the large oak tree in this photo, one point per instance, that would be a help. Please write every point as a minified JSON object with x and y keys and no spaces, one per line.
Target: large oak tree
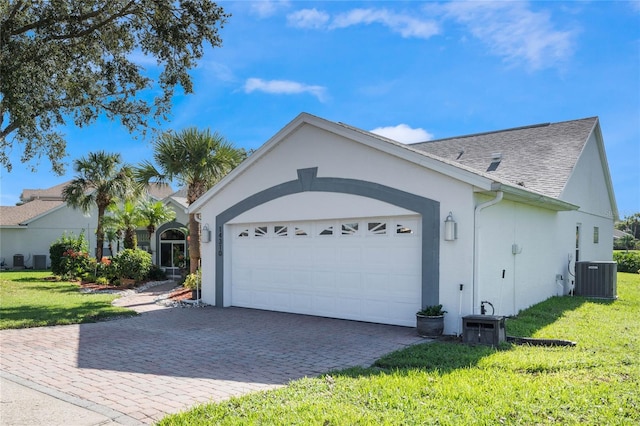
{"x":74,"y":60}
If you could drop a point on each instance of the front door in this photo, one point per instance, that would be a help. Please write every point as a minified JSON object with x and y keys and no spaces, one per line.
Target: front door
{"x":173,"y":255}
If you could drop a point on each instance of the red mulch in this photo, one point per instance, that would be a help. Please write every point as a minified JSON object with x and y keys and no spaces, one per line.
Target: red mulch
{"x":181,"y":294}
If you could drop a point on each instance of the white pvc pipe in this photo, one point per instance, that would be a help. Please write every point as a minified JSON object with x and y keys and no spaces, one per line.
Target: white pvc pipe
{"x":476,"y":243}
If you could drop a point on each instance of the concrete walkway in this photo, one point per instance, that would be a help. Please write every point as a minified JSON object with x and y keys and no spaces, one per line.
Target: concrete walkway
{"x":137,"y":370}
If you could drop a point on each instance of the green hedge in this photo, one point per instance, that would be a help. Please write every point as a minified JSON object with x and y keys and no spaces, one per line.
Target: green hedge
{"x":69,"y":255}
{"x":628,"y":261}
{"x":133,"y":264}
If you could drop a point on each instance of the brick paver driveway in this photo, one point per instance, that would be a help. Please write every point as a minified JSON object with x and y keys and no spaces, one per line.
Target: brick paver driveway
{"x":164,"y":361}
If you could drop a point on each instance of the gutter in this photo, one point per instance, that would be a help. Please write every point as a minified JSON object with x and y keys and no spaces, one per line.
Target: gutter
{"x":532,"y":198}
{"x":476,"y":243}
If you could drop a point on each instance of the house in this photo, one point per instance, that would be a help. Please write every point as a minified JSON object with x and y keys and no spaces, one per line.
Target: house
{"x":28,"y":229}
{"x":329,"y":220}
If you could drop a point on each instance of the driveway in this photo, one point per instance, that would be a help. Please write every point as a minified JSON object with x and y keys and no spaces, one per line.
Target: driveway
{"x":137,"y":370}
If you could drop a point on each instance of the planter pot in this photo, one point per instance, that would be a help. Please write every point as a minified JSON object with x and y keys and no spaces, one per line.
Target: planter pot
{"x":127,"y":282}
{"x":429,"y":326}
{"x":195,"y":294}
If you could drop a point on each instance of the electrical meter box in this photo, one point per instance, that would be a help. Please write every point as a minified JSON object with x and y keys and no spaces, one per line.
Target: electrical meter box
{"x":483,"y":330}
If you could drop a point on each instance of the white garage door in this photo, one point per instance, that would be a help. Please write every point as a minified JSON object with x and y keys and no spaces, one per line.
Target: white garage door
{"x":366,"y":269}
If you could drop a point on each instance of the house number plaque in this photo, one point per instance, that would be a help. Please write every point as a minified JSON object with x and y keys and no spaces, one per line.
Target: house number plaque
{"x":219,"y":240}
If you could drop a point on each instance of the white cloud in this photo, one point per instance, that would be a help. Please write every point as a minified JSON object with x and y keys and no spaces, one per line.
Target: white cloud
{"x":407,"y":26}
{"x":267,"y":8}
{"x":403,"y":133}
{"x":308,"y":18}
{"x":515,"y":32}
{"x":285,"y":87}
{"x":219,"y":71}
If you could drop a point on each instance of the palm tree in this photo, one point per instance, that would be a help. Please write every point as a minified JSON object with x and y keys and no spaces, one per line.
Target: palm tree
{"x":197,"y":160}
{"x":154,"y":213}
{"x":101,"y":179}
{"x":111,"y":234}
{"x":125,"y":219}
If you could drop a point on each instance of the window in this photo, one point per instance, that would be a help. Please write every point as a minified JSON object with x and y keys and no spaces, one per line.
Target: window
{"x":377,"y":228}
{"x":260,"y":231}
{"x":402,"y":229}
{"x":327,"y":231}
{"x":280,"y":231}
{"x":578,"y":242}
{"x":300,"y":232}
{"x":244,"y":233}
{"x":596,"y":235}
{"x":349,"y":228}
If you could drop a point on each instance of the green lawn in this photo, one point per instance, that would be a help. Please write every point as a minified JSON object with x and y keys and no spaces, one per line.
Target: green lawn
{"x":596,"y":382}
{"x":27,"y":299}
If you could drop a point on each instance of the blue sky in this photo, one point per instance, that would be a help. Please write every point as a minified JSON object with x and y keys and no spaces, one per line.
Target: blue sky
{"x":410,"y":70}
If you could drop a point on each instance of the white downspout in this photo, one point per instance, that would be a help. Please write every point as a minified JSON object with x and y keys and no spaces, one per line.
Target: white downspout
{"x":476,"y":244}
{"x":198,"y":219}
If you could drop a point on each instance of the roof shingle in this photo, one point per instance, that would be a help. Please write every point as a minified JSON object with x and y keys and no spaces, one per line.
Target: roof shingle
{"x":539,"y":157}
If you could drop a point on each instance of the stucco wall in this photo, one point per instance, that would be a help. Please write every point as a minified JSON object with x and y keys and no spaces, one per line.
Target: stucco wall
{"x":518,"y":257}
{"x":37,"y":237}
{"x":587,"y":188}
{"x":338,"y":157}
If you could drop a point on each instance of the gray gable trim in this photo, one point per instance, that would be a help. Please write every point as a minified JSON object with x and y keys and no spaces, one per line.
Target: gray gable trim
{"x":308,"y":180}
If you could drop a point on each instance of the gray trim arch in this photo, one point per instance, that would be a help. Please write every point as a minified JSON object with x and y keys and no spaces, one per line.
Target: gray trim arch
{"x":308,"y":180}
{"x":169,"y":225}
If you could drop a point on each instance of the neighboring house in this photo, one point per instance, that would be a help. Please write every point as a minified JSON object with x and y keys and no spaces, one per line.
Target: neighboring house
{"x":618,"y":234}
{"x":329,"y":220}
{"x":28,"y":230}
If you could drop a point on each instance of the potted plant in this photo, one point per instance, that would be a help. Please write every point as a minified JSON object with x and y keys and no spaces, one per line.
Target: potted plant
{"x":193,"y":282}
{"x":430,"y":321}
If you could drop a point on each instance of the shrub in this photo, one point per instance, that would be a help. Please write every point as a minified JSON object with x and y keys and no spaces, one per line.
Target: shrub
{"x":156,"y":274}
{"x":133,"y":264}
{"x":107,"y":269}
{"x":58,"y":249}
{"x":102,"y":281}
{"x":432,"y":311}
{"x":74,"y":264}
{"x":192,"y":281}
{"x":628,"y":261}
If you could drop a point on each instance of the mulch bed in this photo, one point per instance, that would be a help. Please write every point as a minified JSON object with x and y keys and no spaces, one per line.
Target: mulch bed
{"x":180,"y":294}
{"x":98,"y":287}
{"x":177,"y":295}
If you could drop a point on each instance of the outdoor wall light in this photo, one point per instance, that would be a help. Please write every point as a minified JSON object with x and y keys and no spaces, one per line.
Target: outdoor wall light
{"x":450,"y":228}
{"x":206,"y":234}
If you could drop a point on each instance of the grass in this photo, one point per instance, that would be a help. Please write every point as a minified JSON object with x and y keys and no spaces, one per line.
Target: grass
{"x":596,"y":382}
{"x":28,"y":299}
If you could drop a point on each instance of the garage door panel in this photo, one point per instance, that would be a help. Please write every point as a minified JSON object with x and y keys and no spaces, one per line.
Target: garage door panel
{"x":349,"y":283}
{"x":324,"y":281}
{"x":361,"y":269}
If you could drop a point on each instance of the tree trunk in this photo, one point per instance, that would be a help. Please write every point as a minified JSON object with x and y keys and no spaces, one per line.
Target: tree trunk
{"x":130,"y":239}
{"x":194,"y":244}
{"x":99,"y":233}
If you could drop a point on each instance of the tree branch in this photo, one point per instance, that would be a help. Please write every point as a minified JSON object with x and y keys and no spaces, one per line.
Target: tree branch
{"x":88,"y":30}
{"x":46,"y":22}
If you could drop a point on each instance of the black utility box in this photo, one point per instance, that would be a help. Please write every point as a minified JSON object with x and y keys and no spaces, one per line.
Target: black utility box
{"x":483,"y":330}
{"x":596,"y":279}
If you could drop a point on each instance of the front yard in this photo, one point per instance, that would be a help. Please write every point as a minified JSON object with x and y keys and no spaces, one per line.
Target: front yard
{"x":30,"y":299}
{"x":596,"y":382}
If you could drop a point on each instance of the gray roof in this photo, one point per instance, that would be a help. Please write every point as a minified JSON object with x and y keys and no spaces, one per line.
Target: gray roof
{"x":539,"y":157}
{"x":16,"y":215}
{"x":53,"y":193}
